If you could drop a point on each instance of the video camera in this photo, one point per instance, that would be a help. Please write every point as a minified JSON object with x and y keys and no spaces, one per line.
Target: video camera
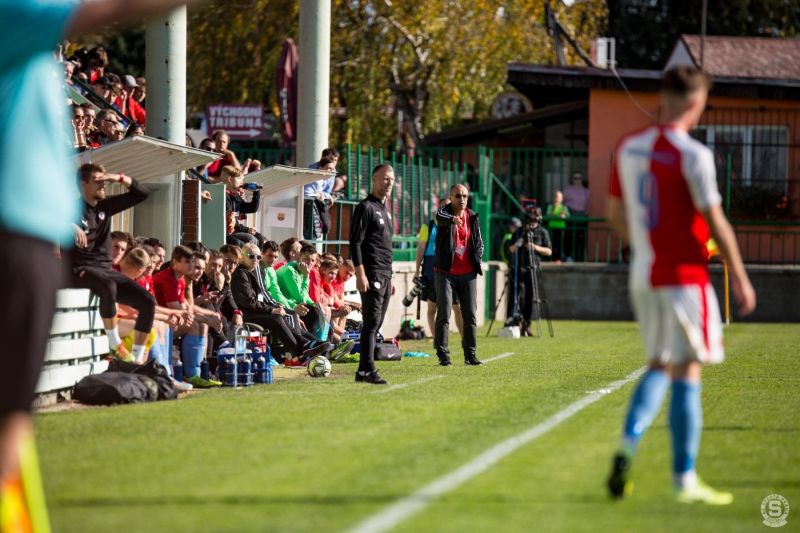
{"x":533,"y":213}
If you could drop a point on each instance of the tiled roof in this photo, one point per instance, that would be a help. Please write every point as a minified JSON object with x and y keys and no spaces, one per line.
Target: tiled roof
{"x":747,"y":57}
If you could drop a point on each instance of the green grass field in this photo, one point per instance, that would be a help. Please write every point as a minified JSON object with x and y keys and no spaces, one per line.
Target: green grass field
{"x":324,"y":454}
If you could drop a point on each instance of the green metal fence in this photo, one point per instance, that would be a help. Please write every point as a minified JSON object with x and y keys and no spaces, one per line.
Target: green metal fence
{"x":419,"y":184}
{"x":498,"y":178}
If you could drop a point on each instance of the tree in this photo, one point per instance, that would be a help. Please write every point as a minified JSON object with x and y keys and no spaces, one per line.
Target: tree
{"x":646,"y":31}
{"x":431,"y":62}
{"x":234,"y":48}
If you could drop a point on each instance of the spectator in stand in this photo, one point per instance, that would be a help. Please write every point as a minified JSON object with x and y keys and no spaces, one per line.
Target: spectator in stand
{"x":290,"y":250}
{"x":140,"y":93}
{"x":119,"y":133}
{"x":102,"y":88}
{"x":120,"y":244}
{"x":170,"y":287}
{"x":96,"y":63}
{"x":269,"y":252}
{"x":135,"y":130}
{"x":557,"y":213}
{"x":78,"y":127}
{"x":339,"y":182}
{"x":107,"y":127}
{"x":236,"y":205}
{"x":69,"y":71}
{"x":337,"y":282}
{"x":211,"y":291}
{"x":576,"y":198}
{"x":221,"y":141}
{"x":318,"y":200}
{"x":131,"y":107}
{"x":260,"y":309}
{"x":160,"y":250}
{"x":91,"y":259}
{"x":89,"y":124}
{"x":209,"y":145}
{"x":135,"y":265}
{"x":231,"y":256}
{"x":338,"y":310}
{"x":293,"y":280}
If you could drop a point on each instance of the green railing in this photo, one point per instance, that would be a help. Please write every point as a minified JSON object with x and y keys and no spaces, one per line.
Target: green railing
{"x":498,"y":178}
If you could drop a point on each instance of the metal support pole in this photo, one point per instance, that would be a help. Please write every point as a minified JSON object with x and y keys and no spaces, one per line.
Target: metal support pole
{"x":165,"y":41}
{"x":313,"y":85}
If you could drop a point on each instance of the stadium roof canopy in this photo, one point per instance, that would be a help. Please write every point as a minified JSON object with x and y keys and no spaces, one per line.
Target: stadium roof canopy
{"x":146,"y":158}
{"x":280,"y":178}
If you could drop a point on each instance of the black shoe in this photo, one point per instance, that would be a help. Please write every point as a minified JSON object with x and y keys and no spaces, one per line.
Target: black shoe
{"x":317,"y":349}
{"x":370,"y":377}
{"x":445,"y":361}
{"x":472,"y":361}
{"x":619,"y":482}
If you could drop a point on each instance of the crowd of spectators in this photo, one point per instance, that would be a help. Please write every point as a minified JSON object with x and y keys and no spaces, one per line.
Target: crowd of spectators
{"x":200,"y":297}
{"x":113,"y":106}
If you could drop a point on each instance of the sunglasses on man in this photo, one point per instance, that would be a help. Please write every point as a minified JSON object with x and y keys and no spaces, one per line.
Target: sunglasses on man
{"x":254,"y":256}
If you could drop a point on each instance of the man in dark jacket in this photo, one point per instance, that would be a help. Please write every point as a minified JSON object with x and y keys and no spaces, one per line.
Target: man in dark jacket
{"x":457,"y":263}
{"x":91,"y":258}
{"x":259,"y":308}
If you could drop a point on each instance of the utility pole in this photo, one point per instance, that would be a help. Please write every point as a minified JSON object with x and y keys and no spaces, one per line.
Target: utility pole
{"x":165,"y":69}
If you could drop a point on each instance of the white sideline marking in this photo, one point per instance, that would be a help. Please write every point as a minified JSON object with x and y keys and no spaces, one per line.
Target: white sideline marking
{"x":391,"y":388}
{"x":412,"y":504}
{"x":498,"y":357}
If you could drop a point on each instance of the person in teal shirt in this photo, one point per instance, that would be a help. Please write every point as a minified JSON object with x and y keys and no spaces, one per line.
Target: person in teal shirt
{"x":39,"y":197}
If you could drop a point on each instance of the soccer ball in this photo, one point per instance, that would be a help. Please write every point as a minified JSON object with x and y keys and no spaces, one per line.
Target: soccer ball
{"x":319,"y":367}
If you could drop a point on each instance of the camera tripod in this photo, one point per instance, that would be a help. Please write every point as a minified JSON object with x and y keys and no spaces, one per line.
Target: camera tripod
{"x":538,"y":303}
{"x":497,"y":304}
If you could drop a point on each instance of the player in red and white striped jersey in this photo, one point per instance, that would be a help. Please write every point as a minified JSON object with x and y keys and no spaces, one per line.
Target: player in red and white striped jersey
{"x":664,"y":201}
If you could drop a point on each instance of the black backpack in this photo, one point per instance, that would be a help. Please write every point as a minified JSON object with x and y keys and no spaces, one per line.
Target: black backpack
{"x":111,"y":388}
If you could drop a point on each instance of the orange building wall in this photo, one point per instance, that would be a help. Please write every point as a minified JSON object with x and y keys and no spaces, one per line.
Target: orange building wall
{"x":612,"y":115}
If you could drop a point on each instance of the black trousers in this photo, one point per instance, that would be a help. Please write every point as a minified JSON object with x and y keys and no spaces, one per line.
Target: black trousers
{"x":374,"y":304}
{"x":529,"y":293}
{"x":466,"y":287}
{"x":27,"y":303}
{"x":294,"y":341}
{"x":112,"y":287}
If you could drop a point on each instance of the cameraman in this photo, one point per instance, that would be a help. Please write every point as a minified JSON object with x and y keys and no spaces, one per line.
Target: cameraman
{"x":529,"y":242}
{"x":424,"y":273}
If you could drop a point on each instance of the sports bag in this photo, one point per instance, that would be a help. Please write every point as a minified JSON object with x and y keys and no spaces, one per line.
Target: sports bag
{"x":151,"y":369}
{"x":389,"y":350}
{"x":111,"y":388}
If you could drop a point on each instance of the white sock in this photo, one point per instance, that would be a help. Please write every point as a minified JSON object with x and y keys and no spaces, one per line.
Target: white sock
{"x":686,"y":480}
{"x":138,"y":353}
{"x":113,"y":337}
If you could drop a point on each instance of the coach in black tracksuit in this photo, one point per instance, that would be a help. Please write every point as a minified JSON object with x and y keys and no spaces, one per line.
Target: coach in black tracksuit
{"x":371,"y":252}
{"x":456,"y":266}
{"x":90,"y":260}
